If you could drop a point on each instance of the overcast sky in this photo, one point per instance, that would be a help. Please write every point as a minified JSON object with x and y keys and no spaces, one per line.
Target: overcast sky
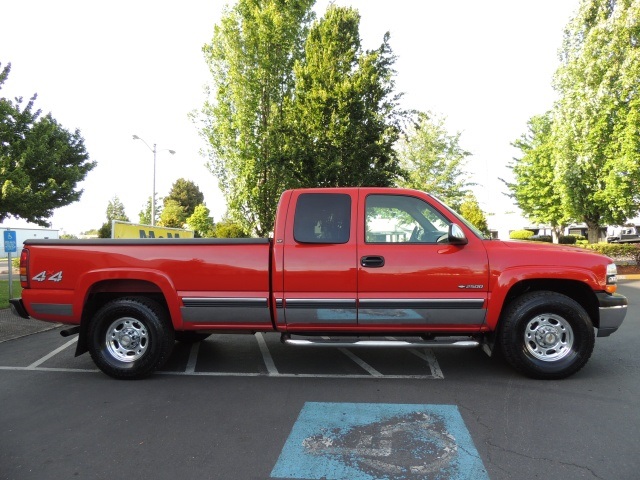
{"x":118,"y":68}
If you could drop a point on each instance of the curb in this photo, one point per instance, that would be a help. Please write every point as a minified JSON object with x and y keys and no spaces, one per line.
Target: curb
{"x":633,"y":276}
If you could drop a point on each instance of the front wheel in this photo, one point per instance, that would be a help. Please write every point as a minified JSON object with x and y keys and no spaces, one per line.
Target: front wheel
{"x":546,"y":335}
{"x":130,"y":337}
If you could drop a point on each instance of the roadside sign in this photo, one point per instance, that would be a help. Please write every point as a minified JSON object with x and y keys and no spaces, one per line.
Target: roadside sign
{"x":10,"y":242}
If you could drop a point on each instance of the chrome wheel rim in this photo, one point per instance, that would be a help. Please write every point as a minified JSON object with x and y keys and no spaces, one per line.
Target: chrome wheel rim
{"x":127,"y":339}
{"x":548,"y":337}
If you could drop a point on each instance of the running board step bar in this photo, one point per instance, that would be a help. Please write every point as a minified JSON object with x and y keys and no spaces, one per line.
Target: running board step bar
{"x":327,"y":342}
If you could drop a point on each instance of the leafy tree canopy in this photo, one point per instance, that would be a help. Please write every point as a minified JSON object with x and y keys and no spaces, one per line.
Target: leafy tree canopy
{"x":343,"y":119}
{"x":251,"y":59}
{"x":40,"y":161}
{"x":470,"y":209}
{"x":536,"y":188}
{"x":115,"y":211}
{"x":597,"y":118}
{"x":434,"y":160}
{"x":201,"y":222}
{"x":144,"y":215}
{"x":187,"y":194}
{"x":296,"y":104}
{"x":173,"y":215}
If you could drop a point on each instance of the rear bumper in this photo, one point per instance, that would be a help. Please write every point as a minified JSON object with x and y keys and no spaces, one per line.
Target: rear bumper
{"x":17,"y":308}
{"x":613,"y":309}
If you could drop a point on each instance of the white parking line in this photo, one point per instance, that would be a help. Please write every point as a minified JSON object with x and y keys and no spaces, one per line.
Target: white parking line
{"x":266,"y":355}
{"x":364,"y":365}
{"x":55,"y":352}
{"x":193,"y":358}
{"x":429,"y":357}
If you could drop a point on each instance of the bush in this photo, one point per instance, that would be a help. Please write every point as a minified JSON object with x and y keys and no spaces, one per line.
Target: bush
{"x":542,"y":238}
{"x":617,"y":250}
{"x":521,"y":235}
{"x":567,"y":240}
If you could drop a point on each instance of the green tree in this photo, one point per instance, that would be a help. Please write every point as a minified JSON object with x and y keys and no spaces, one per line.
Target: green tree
{"x":144,"y":215}
{"x":40,"y":161}
{"x":434,"y":160}
{"x":536,"y":188}
{"x":343,"y":119}
{"x":173,"y":215}
{"x":187,"y":194}
{"x":470,"y":210}
{"x":597,"y":118}
{"x":115,"y":211}
{"x":201,"y":222}
{"x":227,"y":228}
{"x":251,"y":58}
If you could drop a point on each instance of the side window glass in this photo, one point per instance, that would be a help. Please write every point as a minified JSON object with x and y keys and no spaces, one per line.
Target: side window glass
{"x":402,"y":219}
{"x":322,"y":218}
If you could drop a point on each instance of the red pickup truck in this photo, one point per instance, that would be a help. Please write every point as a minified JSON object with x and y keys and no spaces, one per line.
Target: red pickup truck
{"x":347,"y":267}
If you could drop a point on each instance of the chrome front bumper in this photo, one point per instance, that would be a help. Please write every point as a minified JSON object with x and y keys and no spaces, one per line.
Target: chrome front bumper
{"x":613,"y":309}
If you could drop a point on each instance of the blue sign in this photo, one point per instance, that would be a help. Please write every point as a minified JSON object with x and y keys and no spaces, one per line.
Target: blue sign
{"x":373,"y":441}
{"x":10,"y":242}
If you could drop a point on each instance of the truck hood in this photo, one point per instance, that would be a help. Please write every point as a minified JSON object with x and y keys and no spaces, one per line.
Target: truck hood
{"x":553,"y":252}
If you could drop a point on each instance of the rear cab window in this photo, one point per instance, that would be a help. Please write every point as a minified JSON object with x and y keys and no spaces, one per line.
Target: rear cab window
{"x":322,"y":218}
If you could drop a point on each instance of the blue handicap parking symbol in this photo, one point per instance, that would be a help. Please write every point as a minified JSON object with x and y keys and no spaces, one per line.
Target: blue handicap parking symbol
{"x":371,"y":441}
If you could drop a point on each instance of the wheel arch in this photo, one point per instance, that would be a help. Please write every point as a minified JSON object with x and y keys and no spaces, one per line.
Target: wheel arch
{"x":577,"y":290}
{"x":103,"y":291}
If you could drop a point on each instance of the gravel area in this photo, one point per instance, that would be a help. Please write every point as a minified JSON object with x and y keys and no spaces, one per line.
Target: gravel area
{"x":12,"y":326}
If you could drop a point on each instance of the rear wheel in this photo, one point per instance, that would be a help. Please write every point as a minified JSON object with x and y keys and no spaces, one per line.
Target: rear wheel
{"x":130,"y":337}
{"x":546,"y":335}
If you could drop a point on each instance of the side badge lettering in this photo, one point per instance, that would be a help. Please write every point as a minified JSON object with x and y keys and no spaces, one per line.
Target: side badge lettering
{"x":45,"y":275}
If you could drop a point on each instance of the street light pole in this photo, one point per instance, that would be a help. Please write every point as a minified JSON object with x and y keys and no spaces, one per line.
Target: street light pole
{"x":153,"y":196}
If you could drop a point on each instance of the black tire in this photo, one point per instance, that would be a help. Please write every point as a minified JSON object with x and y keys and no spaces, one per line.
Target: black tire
{"x":190,"y":336}
{"x":546,"y":335}
{"x":130,"y":337}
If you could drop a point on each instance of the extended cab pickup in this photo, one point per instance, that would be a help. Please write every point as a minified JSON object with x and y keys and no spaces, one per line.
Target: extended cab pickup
{"x":348,"y":267}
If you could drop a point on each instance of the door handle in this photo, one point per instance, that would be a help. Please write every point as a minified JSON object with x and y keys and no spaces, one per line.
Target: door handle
{"x":372,"y":261}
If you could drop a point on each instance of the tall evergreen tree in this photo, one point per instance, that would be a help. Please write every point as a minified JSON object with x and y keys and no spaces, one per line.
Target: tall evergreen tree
{"x":343,"y":118}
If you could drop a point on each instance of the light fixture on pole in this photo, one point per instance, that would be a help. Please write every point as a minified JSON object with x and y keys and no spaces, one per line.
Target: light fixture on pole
{"x":153,"y":196}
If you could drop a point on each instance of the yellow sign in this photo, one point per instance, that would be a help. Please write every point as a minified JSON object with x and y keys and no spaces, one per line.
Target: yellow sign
{"x":134,"y":230}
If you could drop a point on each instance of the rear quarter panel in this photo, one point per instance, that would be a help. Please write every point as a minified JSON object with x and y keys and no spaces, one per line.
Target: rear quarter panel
{"x":63,"y":275}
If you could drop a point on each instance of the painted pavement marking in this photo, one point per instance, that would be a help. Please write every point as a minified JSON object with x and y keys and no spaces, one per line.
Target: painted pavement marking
{"x":193,"y":358}
{"x":361,"y":363}
{"x":370,"y":441}
{"x":266,"y":355}
{"x":37,"y":363}
{"x":429,"y":357}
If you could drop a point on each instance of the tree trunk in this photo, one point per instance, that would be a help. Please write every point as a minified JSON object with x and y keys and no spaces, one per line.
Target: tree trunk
{"x":593,"y":232}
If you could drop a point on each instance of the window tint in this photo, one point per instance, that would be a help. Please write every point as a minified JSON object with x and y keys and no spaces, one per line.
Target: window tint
{"x":322,"y":218}
{"x":402,"y":219}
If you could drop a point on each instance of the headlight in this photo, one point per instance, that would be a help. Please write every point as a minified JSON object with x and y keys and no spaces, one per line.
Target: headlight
{"x":612,"y":278}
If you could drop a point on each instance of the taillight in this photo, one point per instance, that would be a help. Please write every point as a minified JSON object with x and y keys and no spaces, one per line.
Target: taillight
{"x":24,"y":268}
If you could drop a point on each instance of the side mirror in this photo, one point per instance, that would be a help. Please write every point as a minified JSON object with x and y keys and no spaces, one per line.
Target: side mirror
{"x":456,"y":235}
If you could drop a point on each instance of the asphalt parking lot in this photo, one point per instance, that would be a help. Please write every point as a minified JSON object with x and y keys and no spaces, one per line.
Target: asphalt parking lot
{"x":248,"y":407}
